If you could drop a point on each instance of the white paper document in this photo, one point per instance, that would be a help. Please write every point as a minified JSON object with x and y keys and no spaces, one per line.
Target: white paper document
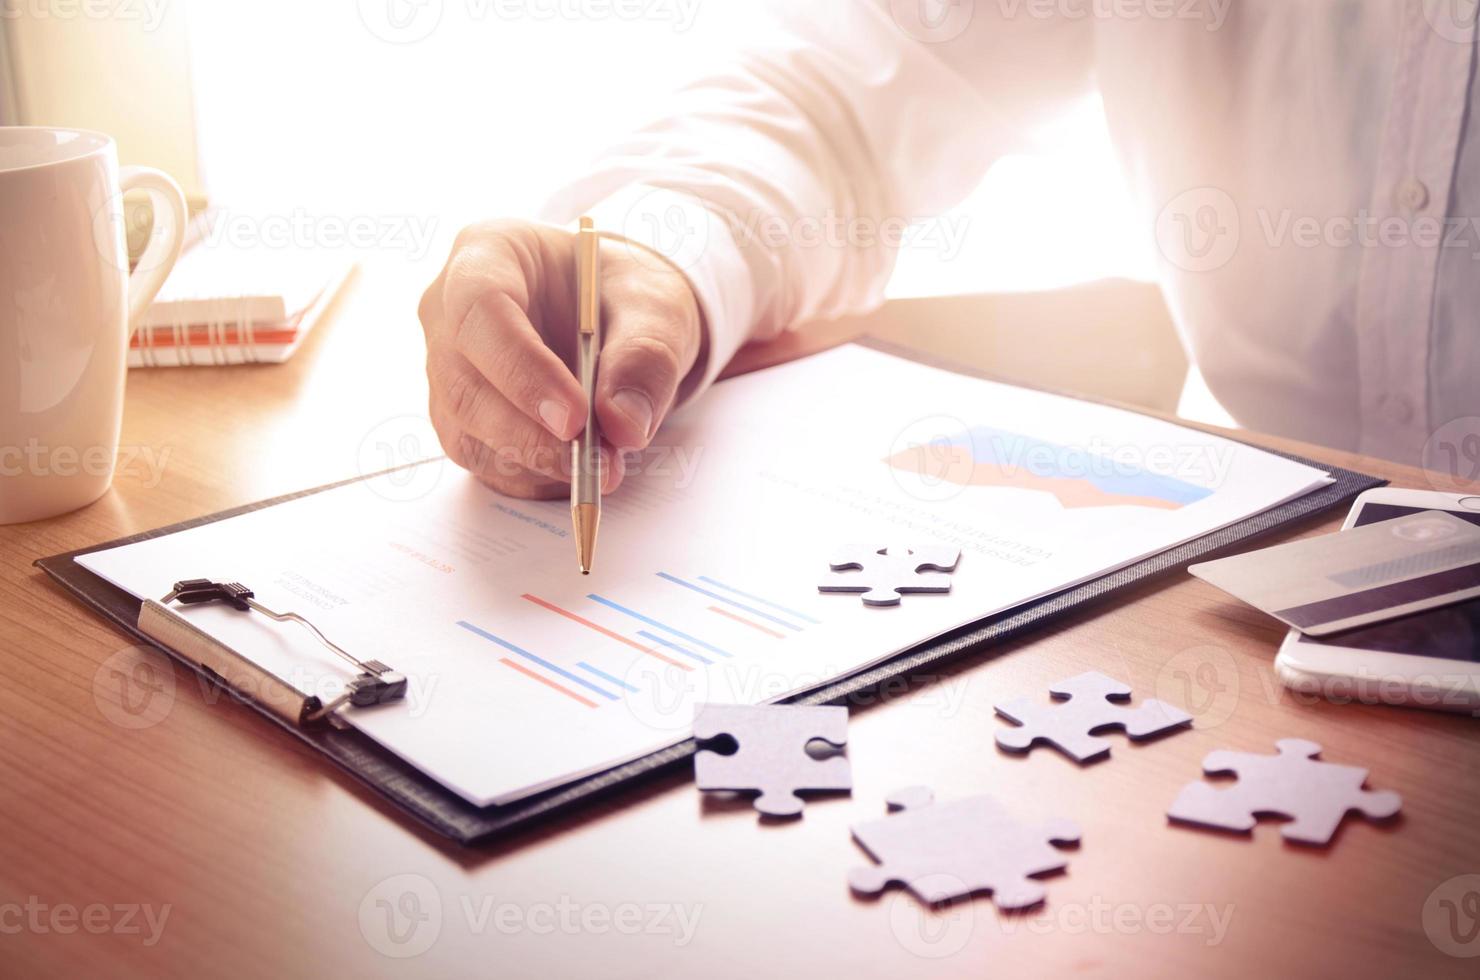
{"x":524,"y":674}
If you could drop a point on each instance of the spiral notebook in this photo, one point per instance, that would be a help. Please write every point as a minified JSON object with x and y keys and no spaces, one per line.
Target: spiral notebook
{"x":235,"y":297}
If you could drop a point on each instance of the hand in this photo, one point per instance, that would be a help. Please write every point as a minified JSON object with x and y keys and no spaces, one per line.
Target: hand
{"x":500,"y":324}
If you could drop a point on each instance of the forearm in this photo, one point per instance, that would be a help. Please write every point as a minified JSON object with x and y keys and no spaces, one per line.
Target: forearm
{"x":780,"y":185}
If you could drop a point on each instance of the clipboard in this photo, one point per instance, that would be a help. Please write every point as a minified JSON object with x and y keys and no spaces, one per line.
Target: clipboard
{"x":427,"y":801}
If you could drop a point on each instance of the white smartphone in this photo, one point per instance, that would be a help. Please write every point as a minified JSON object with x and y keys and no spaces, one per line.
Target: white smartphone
{"x":1427,"y":660}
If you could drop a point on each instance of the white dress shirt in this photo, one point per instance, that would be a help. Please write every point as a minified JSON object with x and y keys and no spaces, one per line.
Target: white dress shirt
{"x":1308,"y":168}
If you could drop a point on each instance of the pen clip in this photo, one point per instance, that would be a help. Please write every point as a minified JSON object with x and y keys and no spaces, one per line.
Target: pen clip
{"x":588,"y":298}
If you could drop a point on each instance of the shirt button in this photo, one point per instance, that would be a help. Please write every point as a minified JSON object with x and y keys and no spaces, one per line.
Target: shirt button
{"x":1412,"y":194}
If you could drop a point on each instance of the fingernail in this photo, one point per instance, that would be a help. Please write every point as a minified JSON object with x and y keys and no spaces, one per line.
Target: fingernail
{"x":556,"y":417}
{"x":609,"y":473}
{"x":637,"y":407}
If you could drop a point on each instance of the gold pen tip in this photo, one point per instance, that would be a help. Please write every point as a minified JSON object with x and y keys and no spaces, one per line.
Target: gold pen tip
{"x":585,"y":517}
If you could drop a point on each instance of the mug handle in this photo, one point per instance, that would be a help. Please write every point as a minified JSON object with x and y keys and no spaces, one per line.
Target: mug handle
{"x":165,"y":239}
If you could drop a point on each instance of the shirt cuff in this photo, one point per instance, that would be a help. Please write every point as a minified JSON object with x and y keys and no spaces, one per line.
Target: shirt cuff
{"x":681,"y":230}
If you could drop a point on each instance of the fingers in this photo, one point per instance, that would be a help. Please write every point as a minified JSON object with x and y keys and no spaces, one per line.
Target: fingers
{"x":479,"y":459}
{"x":485,"y":433}
{"x":504,"y":402}
{"x":652,"y":340}
{"x":484,"y":302}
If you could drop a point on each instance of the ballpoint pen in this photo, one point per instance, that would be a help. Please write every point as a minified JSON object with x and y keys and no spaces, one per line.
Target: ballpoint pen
{"x":585,"y":481}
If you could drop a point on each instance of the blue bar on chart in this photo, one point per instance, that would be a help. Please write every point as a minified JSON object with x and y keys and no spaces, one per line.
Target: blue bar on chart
{"x":738,"y":605}
{"x":573,"y":678}
{"x":657,"y":625}
{"x":673,"y":646}
{"x":765,"y":602}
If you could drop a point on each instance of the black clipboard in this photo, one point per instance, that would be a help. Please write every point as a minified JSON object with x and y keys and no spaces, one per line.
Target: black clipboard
{"x":451,"y":816}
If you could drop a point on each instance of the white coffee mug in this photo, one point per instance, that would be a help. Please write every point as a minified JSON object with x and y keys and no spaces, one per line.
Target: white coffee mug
{"x":68,"y":307}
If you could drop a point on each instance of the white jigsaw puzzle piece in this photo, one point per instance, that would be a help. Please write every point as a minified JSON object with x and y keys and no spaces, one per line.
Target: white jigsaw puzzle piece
{"x":883,"y":575}
{"x":1315,"y":795}
{"x":1083,"y":705}
{"x":945,"y":851}
{"x":771,"y":757}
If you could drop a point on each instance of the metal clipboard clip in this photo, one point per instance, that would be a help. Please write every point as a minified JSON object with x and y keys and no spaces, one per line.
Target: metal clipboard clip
{"x":375,"y":684}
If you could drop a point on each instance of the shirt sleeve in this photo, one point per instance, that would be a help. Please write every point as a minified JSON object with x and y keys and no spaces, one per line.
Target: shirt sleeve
{"x":781,"y":184}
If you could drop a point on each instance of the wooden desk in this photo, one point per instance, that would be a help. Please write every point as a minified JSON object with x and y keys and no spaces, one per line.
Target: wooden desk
{"x":266,"y":857}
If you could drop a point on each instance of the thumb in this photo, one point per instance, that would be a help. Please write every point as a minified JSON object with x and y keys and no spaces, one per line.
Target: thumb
{"x":648,"y":350}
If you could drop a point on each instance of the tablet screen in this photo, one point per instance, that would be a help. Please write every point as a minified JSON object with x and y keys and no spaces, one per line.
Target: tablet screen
{"x":1450,"y":632}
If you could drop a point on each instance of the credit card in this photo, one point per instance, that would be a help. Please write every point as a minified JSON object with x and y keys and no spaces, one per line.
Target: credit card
{"x":1357,"y":577}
